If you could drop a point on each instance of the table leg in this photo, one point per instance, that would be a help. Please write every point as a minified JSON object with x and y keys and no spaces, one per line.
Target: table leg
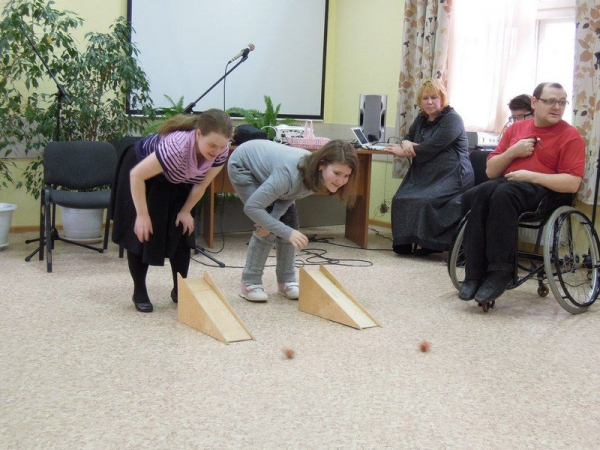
{"x":357,"y":217}
{"x":208,"y":215}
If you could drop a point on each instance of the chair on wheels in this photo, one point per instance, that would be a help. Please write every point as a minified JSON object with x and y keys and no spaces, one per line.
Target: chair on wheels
{"x":565,"y":257}
{"x":77,"y":174}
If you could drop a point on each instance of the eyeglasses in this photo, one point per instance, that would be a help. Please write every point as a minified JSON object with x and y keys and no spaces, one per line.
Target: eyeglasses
{"x":519,"y":117}
{"x":551,"y":102}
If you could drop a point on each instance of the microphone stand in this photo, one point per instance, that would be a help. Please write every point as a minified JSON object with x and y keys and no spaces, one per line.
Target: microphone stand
{"x":188,"y":110}
{"x":60,"y":95}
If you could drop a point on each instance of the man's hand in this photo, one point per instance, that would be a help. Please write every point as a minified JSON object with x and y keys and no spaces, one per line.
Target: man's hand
{"x":143,"y":227}
{"x":298,"y":240}
{"x":523,"y":176}
{"x":187,"y":221}
{"x":523,"y":148}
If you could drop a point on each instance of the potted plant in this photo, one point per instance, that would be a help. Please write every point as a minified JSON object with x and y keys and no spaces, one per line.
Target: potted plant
{"x":166,"y":113}
{"x":266,"y":120}
{"x":99,"y":79}
{"x":6,"y":210}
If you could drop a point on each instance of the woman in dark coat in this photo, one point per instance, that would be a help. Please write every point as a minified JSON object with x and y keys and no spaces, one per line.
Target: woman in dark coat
{"x":426,"y":209}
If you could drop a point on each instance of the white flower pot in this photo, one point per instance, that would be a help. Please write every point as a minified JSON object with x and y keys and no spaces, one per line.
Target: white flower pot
{"x":6,"y":211}
{"x":82,"y":225}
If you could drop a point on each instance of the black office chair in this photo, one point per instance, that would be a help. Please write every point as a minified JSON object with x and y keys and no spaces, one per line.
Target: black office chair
{"x":565,"y":258}
{"x":79,"y":175}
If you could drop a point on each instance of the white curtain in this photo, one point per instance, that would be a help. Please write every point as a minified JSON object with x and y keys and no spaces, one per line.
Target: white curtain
{"x":424,"y":54}
{"x":586,"y":105}
{"x":491,"y":59}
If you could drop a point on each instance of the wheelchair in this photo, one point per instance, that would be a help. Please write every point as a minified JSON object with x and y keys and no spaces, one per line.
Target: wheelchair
{"x":564,"y":260}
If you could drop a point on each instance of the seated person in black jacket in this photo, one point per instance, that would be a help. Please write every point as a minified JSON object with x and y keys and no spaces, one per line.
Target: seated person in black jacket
{"x":426,"y":208}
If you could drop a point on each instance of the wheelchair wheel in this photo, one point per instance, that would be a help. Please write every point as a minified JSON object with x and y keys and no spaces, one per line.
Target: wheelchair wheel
{"x":571,"y":259}
{"x":456,"y":258}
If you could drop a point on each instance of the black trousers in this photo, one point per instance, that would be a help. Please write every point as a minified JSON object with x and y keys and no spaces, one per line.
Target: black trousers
{"x":491,"y":232}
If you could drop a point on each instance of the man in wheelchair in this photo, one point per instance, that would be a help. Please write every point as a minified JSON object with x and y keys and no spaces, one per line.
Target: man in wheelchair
{"x":534,"y":156}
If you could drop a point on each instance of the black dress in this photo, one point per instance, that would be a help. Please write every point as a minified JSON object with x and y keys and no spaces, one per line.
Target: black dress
{"x":426,"y":208}
{"x":165,"y":201}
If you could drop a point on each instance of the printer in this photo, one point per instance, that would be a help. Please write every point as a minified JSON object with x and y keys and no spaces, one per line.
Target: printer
{"x":481,"y":140}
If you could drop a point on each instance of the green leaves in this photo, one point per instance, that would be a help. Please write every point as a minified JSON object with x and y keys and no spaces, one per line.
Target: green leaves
{"x":99,"y":80}
{"x":167,"y":113}
{"x":263,"y":120}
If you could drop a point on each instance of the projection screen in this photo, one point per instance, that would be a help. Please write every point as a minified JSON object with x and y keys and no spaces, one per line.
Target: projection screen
{"x":185,"y":46}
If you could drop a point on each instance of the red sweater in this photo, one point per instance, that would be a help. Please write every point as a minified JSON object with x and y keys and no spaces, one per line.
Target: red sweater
{"x":559,"y":149}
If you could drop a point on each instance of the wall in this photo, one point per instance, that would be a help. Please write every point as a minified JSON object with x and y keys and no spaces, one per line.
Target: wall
{"x":364,"y":53}
{"x":363,"y":56}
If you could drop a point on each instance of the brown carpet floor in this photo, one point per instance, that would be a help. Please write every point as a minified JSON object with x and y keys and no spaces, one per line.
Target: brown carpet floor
{"x":80,"y":368}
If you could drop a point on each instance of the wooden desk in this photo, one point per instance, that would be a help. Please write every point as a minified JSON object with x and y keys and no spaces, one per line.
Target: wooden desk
{"x":357,"y":218}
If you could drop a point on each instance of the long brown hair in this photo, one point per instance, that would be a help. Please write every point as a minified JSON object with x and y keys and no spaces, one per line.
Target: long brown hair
{"x":212,"y":120}
{"x":335,"y":151}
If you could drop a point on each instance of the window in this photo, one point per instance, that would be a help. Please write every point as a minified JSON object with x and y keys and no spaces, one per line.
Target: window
{"x":555,"y":46}
{"x":499,"y":50}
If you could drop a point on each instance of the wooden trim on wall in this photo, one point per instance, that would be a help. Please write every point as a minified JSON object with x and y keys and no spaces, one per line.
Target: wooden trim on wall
{"x":379,"y":223}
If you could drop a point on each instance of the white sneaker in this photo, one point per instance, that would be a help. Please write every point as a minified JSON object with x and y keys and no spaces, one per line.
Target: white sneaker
{"x":289,"y":290}
{"x":253,"y":292}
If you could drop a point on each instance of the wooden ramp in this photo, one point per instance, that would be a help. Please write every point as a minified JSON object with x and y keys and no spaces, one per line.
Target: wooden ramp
{"x":322,"y":295}
{"x":203,"y":306}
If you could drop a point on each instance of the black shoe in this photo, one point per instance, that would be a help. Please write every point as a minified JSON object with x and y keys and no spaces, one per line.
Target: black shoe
{"x":425,"y":251}
{"x":144,"y":306}
{"x":494,"y":286}
{"x":403,"y":249}
{"x":468,"y":289}
{"x":174,"y":295}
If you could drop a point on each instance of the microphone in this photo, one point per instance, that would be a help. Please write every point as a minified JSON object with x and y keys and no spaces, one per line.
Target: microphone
{"x":243,"y":53}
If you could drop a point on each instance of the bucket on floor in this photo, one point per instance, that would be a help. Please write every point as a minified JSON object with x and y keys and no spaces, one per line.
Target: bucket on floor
{"x":82,"y":225}
{"x":6,"y":211}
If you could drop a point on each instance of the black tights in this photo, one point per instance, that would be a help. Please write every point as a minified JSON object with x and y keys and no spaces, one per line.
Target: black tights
{"x":180,"y":263}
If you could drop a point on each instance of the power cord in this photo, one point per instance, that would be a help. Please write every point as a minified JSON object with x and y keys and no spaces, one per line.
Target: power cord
{"x":384,"y":207}
{"x":378,"y":233}
{"x":327,"y":240}
{"x":316,"y":256}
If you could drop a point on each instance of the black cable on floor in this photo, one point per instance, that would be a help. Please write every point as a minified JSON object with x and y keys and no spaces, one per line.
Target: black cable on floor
{"x":378,"y":233}
{"x":315,"y":256}
{"x":327,"y":240}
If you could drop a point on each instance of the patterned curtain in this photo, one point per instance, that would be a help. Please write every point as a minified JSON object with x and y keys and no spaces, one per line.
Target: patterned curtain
{"x":586,"y":98}
{"x":425,"y":54}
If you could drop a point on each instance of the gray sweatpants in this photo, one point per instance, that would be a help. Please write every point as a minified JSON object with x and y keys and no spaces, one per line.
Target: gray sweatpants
{"x":259,"y":248}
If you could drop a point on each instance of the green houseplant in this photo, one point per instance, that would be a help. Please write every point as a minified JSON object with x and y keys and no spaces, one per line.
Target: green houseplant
{"x":264,"y":120}
{"x":167,"y":113}
{"x":99,"y":80}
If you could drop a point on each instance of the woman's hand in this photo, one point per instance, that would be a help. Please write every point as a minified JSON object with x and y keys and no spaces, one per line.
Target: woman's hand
{"x":260,"y":231}
{"x":298,"y":240}
{"x":187,"y":221}
{"x":406,"y":148}
{"x":143,"y":227}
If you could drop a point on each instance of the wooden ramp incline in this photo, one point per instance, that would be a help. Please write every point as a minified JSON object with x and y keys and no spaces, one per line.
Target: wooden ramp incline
{"x":322,"y":295}
{"x":203,"y":306}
